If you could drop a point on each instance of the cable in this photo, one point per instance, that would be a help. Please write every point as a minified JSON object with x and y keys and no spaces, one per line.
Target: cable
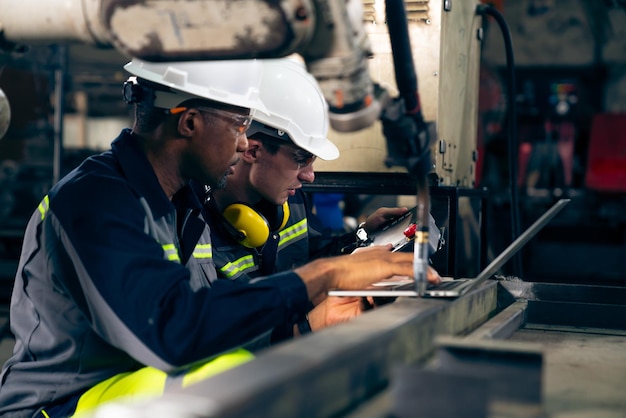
{"x":487,"y":9}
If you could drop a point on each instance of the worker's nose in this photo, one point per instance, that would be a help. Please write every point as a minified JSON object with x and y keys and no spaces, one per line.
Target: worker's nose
{"x":307,"y":174}
{"x":242,"y":143}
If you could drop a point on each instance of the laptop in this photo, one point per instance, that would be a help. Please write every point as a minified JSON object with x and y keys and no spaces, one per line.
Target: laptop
{"x":455,"y":288}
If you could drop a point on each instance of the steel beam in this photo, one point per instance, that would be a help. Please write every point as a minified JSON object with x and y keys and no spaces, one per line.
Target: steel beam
{"x":332,"y":371}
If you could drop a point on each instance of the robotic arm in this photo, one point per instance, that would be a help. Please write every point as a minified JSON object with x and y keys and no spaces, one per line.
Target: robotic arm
{"x":329,"y":34}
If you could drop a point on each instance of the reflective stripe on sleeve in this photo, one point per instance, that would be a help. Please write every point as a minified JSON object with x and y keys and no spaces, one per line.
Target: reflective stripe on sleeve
{"x":294,"y":231}
{"x":203,"y":251}
{"x":171,"y":252}
{"x":44,"y":206}
{"x":237,"y":267}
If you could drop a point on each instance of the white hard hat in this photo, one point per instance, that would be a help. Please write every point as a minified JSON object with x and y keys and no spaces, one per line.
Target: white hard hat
{"x":295,"y":106}
{"x":234,"y":82}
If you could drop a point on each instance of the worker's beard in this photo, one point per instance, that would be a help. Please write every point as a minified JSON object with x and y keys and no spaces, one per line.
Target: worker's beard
{"x":221,"y":183}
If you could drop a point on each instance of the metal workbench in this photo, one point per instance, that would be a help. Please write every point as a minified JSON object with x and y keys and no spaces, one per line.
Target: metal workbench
{"x":506,"y":349}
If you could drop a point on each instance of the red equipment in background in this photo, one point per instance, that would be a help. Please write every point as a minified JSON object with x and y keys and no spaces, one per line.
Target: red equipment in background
{"x":606,"y":164}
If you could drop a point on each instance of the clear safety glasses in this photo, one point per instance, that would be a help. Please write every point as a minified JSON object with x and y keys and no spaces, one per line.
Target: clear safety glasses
{"x":239,"y":123}
{"x":302,"y":158}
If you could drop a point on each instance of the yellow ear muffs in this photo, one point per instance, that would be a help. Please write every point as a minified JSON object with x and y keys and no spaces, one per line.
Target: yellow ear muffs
{"x":250,"y":223}
{"x":252,"y":227}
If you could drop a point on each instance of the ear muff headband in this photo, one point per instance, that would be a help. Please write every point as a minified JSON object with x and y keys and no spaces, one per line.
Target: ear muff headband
{"x":253,"y":227}
{"x":286,"y":214}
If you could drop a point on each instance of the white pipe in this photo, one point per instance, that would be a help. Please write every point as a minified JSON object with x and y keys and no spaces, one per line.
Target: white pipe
{"x":52,"y":21}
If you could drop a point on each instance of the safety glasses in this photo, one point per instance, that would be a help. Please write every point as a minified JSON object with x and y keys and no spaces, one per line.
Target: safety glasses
{"x":239,"y":123}
{"x":302,"y":158}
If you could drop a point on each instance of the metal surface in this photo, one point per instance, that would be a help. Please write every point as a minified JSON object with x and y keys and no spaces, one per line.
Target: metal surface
{"x":169,"y":29}
{"x":458,"y":95}
{"x":192,"y":29}
{"x":428,"y":393}
{"x":469,"y":376}
{"x":446,"y":52}
{"x":329,"y":372}
{"x":503,"y":325}
{"x":329,"y":35}
{"x":378,"y":183}
{"x":591,"y":315}
{"x":29,"y":22}
{"x":589,"y":306}
{"x":477,"y":353}
{"x":564,"y":292}
{"x":584,"y":371}
{"x":557,"y":351}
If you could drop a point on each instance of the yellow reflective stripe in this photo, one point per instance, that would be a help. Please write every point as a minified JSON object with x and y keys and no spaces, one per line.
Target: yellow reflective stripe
{"x":171,"y":252}
{"x":45,"y":414}
{"x":203,"y":251}
{"x":237,"y":266}
{"x":222,"y":363}
{"x":292,"y":232}
{"x":131,"y":386}
{"x":43,"y":207}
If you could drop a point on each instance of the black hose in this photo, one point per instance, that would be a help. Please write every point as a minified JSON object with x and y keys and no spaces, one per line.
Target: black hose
{"x":485,"y":9}
{"x":403,"y":65}
{"x":406,"y":81}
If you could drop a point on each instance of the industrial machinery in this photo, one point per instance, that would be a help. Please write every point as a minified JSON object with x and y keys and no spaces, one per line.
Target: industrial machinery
{"x":345,"y":44}
{"x":330,"y":36}
{"x":367,"y":57}
{"x":358,"y":53}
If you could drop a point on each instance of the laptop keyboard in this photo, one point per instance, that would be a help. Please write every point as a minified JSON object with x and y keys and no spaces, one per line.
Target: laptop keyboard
{"x":447,"y":285}
{"x":444,"y":285}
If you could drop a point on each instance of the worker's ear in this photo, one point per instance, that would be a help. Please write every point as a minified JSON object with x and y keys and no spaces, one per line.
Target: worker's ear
{"x":187,"y":123}
{"x":250,"y":155}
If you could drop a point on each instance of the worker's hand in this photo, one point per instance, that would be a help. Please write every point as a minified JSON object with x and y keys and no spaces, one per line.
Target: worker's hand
{"x":381,"y":216}
{"x":432,"y":275}
{"x":335,"y":310}
{"x":357,"y":270}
